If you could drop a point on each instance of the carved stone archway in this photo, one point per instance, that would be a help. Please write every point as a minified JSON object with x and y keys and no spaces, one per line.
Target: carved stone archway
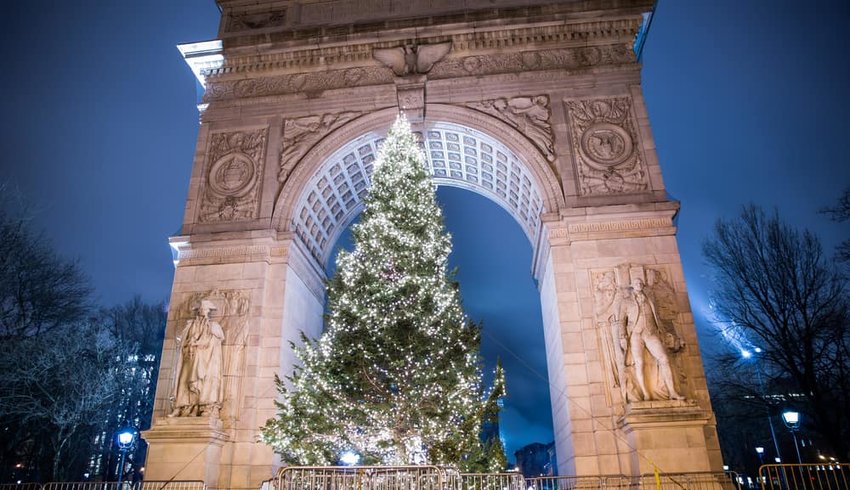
{"x":333,"y":176}
{"x":299,"y":93}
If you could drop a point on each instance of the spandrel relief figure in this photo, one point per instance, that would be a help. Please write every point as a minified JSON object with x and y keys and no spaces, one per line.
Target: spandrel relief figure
{"x":198,"y":387}
{"x":637,"y":338}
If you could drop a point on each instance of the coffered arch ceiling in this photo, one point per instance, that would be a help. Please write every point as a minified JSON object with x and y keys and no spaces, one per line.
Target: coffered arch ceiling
{"x":456,"y":155}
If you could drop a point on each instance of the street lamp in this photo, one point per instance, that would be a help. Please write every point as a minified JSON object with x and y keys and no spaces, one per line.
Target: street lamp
{"x":126,"y":437}
{"x":747,"y":355}
{"x":760,"y":452}
{"x":792,"y":421}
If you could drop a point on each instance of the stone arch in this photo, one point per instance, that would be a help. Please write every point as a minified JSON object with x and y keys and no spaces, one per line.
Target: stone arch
{"x":509,"y":170}
{"x":274,"y":59}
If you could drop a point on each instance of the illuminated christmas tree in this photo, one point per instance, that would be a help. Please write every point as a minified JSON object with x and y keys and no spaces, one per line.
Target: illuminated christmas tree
{"x":396,"y":376}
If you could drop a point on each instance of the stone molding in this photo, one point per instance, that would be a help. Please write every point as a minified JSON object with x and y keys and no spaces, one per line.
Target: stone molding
{"x":187,"y":430}
{"x":618,"y":228}
{"x":576,"y":35}
{"x":551,"y":59}
{"x":662,"y":413}
{"x":577,"y":58}
{"x":187,"y":255}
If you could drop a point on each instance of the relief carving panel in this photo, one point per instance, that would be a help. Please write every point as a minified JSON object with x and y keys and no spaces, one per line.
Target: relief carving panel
{"x":210,"y":342}
{"x":234,"y":173}
{"x":301,"y":134}
{"x":550,"y":59}
{"x":243,"y":21}
{"x":605,"y":147}
{"x":635,"y":308}
{"x":528,"y":115}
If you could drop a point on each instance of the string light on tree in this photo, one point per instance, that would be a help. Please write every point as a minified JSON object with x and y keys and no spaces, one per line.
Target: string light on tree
{"x":396,"y":376}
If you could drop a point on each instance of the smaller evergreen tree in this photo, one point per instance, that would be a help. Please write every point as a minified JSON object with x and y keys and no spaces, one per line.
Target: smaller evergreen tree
{"x":396,"y":375}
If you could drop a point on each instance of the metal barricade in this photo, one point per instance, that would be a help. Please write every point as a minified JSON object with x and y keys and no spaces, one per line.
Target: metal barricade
{"x":690,"y":481}
{"x":492,"y":481}
{"x":566,"y":482}
{"x":141,"y":485}
{"x":170,"y":485}
{"x":87,"y":485}
{"x":20,"y":486}
{"x":368,"y":478}
{"x":835,"y":476}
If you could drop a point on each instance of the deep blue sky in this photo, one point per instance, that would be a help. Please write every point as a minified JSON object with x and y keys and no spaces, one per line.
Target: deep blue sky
{"x":747,"y":99}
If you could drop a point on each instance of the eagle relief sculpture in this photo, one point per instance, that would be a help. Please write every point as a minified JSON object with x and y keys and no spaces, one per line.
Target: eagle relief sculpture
{"x":412,"y":59}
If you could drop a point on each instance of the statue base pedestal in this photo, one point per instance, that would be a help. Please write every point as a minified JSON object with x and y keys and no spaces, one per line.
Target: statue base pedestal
{"x":185,"y":448}
{"x":668,"y":434}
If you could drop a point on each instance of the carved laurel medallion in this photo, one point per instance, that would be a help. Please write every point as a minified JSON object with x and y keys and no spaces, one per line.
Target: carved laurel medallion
{"x":605,"y":147}
{"x":231,"y":190}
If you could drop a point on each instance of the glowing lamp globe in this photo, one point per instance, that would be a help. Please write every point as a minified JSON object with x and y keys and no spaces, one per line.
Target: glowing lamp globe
{"x":792,"y":419}
{"x":349,"y":458}
{"x":125,"y":438}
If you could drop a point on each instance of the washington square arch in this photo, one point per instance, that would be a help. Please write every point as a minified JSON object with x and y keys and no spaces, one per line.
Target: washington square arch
{"x":534,"y":105}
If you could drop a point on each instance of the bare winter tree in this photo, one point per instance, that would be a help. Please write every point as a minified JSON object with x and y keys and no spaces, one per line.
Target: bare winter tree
{"x":67,"y":380}
{"x":63,"y":383}
{"x":841,"y":212}
{"x":38,"y":289}
{"x":776,"y":290}
{"x":140,"y":328}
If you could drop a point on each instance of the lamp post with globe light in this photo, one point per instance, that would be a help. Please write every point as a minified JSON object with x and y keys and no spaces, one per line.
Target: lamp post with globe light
{"x":746,"y":354}
{"x":792,"y":421}
{"x":126,"y":437}
{"x":760,"y":452}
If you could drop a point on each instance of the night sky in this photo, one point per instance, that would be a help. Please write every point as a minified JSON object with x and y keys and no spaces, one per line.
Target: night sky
{"x":748,"y":102}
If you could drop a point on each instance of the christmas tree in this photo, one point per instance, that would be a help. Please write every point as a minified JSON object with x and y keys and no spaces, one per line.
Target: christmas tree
{"x":396,"y":376}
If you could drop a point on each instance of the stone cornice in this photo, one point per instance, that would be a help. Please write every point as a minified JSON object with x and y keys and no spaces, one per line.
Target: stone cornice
{"x":562,"y":59}
{"x":609,"y":226}
{"x":310,"y":55}
{"x":226,"y":252}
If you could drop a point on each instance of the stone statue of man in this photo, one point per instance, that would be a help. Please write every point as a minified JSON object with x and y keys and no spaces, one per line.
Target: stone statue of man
{"x":198,"y":390}
{"x":640,"y":329}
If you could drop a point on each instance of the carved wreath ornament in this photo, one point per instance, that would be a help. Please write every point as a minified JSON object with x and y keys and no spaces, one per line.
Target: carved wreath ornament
{"x":233,"y":176}
{"x":604,"y":147}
